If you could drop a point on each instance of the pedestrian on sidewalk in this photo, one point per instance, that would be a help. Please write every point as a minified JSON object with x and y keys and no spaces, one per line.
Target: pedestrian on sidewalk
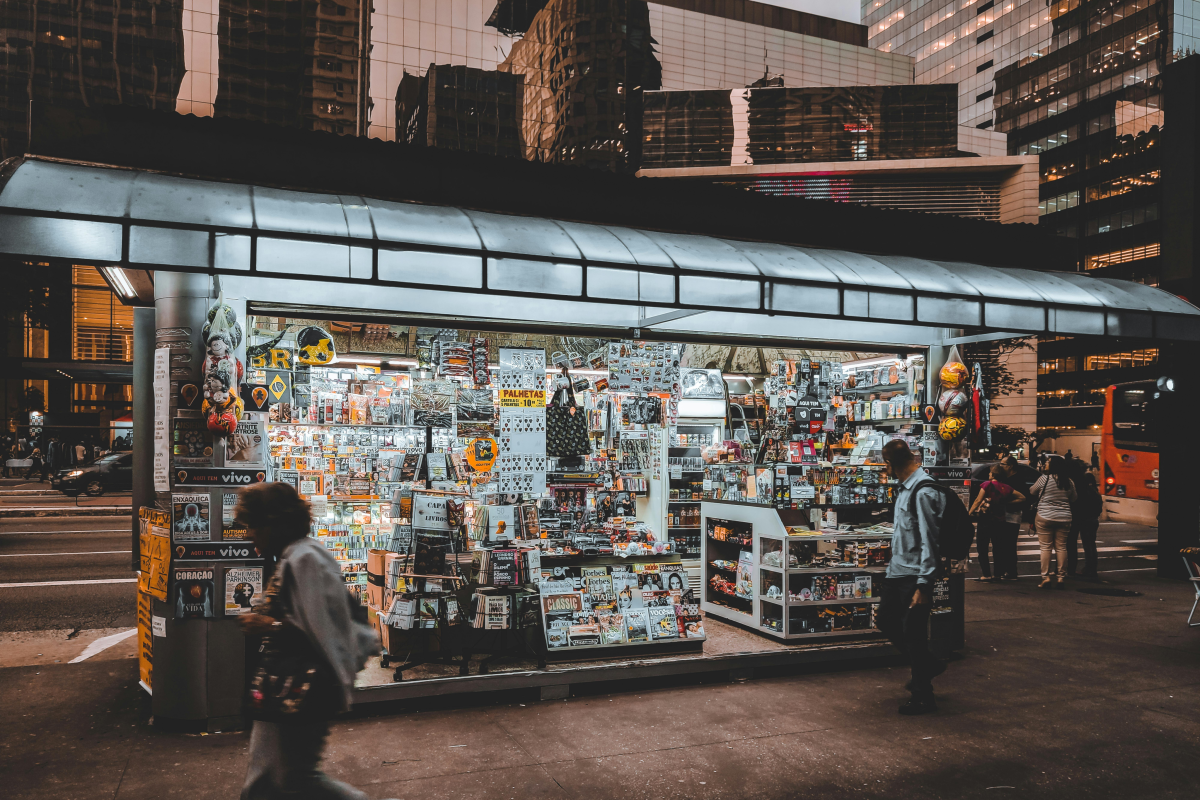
{"x":991,"y":511}
{"x":1085,"y":522}
{"x":80,"y":453}
{"x":1055,"y":493}
{"x":35,"y":465}
{"x":309,"y":621}
{"x":907,"y":592}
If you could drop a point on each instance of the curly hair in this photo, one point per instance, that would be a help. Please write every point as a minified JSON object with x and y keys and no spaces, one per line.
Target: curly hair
{"x":274,"y":507}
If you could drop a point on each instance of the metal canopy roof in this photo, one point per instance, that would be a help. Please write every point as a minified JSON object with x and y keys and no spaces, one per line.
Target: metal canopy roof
{"x":144,"y":220}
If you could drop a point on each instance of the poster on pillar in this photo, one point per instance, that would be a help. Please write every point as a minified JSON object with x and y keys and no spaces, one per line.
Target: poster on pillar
{"x":162,"y":414}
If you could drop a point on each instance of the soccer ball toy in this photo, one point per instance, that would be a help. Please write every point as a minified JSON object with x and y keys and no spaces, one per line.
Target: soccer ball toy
{"x":954,"y":375}
{"x":953,"y":403}
{"x":952,"y":428}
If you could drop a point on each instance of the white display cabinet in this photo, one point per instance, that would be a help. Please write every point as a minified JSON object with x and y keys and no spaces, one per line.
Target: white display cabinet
{"x":788,"y":587}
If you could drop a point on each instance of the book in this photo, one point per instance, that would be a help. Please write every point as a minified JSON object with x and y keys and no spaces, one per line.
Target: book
{"x":662,"y":623}
{"x":637,"y":625}
{"x":504,"y":571}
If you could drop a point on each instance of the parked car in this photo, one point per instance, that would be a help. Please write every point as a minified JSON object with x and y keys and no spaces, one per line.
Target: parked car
{"x":109,"y":473}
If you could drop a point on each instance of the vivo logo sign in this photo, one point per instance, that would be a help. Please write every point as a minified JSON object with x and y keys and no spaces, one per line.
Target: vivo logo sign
{"x":234,"y":552}
{"x":235,"y":478}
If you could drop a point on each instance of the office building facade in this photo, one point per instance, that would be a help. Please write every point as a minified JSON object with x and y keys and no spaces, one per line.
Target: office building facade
{"x":462,"y":108}
{"x":86,"y":54}
{"x":963,"y":42}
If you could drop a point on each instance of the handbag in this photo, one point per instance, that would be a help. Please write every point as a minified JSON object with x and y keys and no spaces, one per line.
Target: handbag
{"x":566,"y":427}
{"x":292,"y":682}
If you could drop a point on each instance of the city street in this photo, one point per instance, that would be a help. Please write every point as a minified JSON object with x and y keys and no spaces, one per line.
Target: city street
{"x":1058,"y":694}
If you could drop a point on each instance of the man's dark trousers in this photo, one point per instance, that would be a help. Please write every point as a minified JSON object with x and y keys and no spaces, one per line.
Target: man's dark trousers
{"x":908,"y":629}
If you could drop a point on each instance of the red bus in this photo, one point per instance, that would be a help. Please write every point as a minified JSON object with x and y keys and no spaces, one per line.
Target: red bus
{"x":1129,"y":450}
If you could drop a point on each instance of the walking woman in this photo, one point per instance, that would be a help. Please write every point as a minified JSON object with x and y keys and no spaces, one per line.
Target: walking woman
{"x":1055,"y":494}
{"x":996,"y":502}
{"x":312,"y":649}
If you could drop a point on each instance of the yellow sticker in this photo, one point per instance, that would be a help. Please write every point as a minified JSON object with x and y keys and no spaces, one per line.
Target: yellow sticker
{"x":522,"y":398}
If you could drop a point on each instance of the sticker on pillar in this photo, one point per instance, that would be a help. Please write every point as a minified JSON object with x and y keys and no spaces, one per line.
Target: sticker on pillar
{"x":218,"y":477}
{"x":256,"y":397}
{"x":189,"y":395}
{"x":193,"y":593}
{"x":314,"y":347}
{"x":279,"y":386}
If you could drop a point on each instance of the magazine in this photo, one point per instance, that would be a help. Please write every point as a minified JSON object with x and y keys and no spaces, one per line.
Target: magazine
{"x":674,"y":577}
{"x":649,"y":578}
{"x":626,"y":590}
{"x":693,"y":621}
{"x":662,"y":624}
{"x":599,"y":588}
{"x":637,"y":625}
{"x":584,"y":635}
{"x":612,"y":628}
{"x":657,"y":599}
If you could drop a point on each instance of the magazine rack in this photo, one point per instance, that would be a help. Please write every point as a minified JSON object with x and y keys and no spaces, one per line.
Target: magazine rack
{"x":652,"y":646}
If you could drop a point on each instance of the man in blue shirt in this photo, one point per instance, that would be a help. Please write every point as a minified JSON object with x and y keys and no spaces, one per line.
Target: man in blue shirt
{"x":907,"y":592}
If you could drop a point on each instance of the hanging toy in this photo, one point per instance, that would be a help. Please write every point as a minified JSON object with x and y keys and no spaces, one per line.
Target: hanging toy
{"x":954,"y":401}
{"x":222,"y":407}
{"x":222,"y":371}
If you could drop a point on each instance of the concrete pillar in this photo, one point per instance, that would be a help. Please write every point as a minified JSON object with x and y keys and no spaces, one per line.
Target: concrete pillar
{"x":199,"y":665}
{"x":143,"y":417}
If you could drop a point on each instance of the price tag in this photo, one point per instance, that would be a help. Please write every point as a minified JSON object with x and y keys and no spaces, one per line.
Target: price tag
{"x":522,"y":398}
{"x":707,"y":485}
{"x":320,"y":505}
{"x":676,"y":471}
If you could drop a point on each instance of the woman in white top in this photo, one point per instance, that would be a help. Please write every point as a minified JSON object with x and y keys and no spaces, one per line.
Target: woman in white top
{"x":1054,"y":493}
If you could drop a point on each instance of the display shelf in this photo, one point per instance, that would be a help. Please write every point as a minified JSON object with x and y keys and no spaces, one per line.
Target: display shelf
{"x":684,"y":502}
{"x":769,"y":533}
{"x":859,"y":601}
{"x":829,"y":570}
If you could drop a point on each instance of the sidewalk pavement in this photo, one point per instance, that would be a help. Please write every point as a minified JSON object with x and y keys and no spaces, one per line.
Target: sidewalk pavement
{"x":1060,"y":694}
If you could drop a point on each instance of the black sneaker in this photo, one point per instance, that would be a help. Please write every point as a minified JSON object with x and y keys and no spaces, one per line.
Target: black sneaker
{"x":917,"y":705}
{"x":938,"y":669}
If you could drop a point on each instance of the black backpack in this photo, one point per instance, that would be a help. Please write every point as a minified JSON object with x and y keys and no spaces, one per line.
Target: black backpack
{"x":956,"y":532}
